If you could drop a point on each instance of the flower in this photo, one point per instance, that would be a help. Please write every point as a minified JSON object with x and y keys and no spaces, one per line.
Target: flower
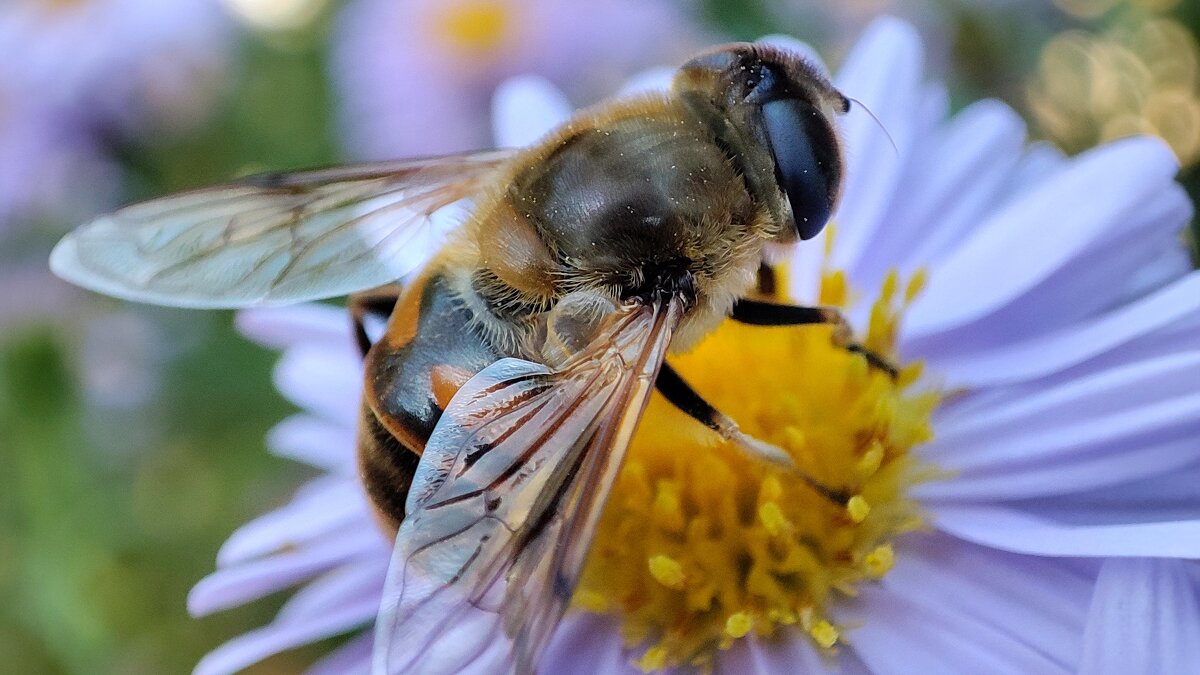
{"x":56,"y":155}
{"x":415,"y":78}
{"x":133,"y":66}
{"x":1054,"y":313}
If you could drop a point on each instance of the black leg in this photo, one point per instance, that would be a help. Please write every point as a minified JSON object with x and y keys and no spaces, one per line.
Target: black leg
{"x":768,"y":282}
{"x":680,"y":394}
{"x":376,"y":303}
{"x":758,"y":313}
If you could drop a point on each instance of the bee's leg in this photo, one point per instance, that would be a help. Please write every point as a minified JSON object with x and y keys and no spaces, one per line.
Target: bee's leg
{"x":376,"y":305}
{"x":758,"y":313}
{"x":680,"y":394}
{"x":768,"y":281}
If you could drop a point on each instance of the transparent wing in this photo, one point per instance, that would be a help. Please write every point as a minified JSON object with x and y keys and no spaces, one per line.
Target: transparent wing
{"x":275,"y":238}
{"x":507,"y":498}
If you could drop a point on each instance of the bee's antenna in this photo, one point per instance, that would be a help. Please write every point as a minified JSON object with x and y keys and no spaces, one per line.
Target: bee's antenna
{"x":881,"y":127}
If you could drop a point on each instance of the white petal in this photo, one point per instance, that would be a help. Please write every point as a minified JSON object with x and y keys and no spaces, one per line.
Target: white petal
{"x":274,"y":638}
{"x":1012,"y":530}
{"x":1120,"y":267}
{"x":1105,"y":467}
{"x":1162,"y":497}
{"x":352,"y":658}
{"x":788,"y":651}
{"x":1111,"y":391}
{"x":310,"y":515}
{"x":326,"y":382}
{"x":954,"y":183}
{"x":1137,"y":407}
{"x":1040,"y":162}
{"x":1040,"y":602}
{"x":314,"y":441}
{"x":791,"y":44}
{"x":310,"y":323}
{"x":883,"y":72}
{"x":525,"y":108}
{"x":238,"y":585}
{"x":589,"y":640}
{"x":1145,"y":618}
{"x":654,"y":80}
{"x":887,"y":245}
{"x":1037,"y":357}
{"x":1033,"y":237}
{"x":361,"y":579}
{"x":902,"y":635}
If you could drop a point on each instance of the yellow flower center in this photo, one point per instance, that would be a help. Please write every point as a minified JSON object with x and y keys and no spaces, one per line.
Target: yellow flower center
{"x":475,"y":26}
{"x":60,"y":5}
{"x":701,"y":546}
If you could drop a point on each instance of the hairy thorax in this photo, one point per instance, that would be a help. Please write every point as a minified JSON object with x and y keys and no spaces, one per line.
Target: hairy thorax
{"x":602,"y":207}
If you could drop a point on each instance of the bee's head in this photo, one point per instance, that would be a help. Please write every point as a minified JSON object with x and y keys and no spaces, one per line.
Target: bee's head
{"x":782,"y":108}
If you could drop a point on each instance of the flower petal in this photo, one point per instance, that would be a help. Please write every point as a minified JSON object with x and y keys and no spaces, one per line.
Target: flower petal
{"x":902,"y":635}
{"x":1143,"y":618}
{"x":1012,"y":530}
{"x":1040,"y":162}
{"x":788,"y":651}
{"x":1138,"y":408}
{"x":653,"y":80}
{"x":791,"y":44}
{"x":315,"y":442}
{"x":1039,"y":602}
{"x":525,"y":108}
{"x":1037,"y":417}
{"x":308,"y":324}
{"x":238,"y":585}
{"x":324,"y":381}
{"x":1036,"y":357}
{"x":310,"y":515}
{"x":1100,"y":192}
{"x":1103,"y":467}
{"x":257,"y":645}
{"x":591,"y":639}
{"x":359,"y":580}
{"x":1163,"y":497}
{"x":949,"y":191}
{"x":883,"y":73}
{"x":352,"y":658}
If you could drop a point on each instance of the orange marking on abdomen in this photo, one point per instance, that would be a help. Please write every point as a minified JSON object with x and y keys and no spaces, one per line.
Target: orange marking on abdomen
{"x":446,"y":380}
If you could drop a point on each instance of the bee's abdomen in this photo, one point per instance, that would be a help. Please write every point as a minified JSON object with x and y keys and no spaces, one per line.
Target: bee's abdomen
{"x":387,"y":466}
{"x":432,"y":346}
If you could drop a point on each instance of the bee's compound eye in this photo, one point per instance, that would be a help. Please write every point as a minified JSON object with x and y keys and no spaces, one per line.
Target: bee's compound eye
{"x":806,"y":161}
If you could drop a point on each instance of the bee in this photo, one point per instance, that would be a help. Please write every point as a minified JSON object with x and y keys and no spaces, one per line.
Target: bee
{"x":523,"y":345}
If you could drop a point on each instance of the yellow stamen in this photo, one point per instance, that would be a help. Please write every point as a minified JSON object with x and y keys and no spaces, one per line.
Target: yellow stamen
{"x":655,"y":658}
{"x":667,"y":571}
{"x":773,"y":519}
{"x":701,"y":545}
{"x":738,"y":625}
{"x":834,"y":289}
{"x":879,"y":562}
{"x":858,"y":508}
{"x":475,"y":26}
{"x":824,"y":634}
{"x":915,"y":285}
{"x":591,"y":601}
{"x":871,"y":460}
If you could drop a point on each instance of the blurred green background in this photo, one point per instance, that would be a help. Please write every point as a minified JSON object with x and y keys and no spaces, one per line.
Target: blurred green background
{"x":131,"y":437}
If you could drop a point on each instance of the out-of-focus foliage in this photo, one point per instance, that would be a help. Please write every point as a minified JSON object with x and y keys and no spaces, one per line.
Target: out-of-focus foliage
{"x":131,"y":438}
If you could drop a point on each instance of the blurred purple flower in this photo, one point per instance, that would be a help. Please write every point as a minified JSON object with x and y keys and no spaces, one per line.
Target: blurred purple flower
{"x":1060,"y":305}
{"x":133,"y":66}
{"x":416,"y":77}
{"x":52,"y":171}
